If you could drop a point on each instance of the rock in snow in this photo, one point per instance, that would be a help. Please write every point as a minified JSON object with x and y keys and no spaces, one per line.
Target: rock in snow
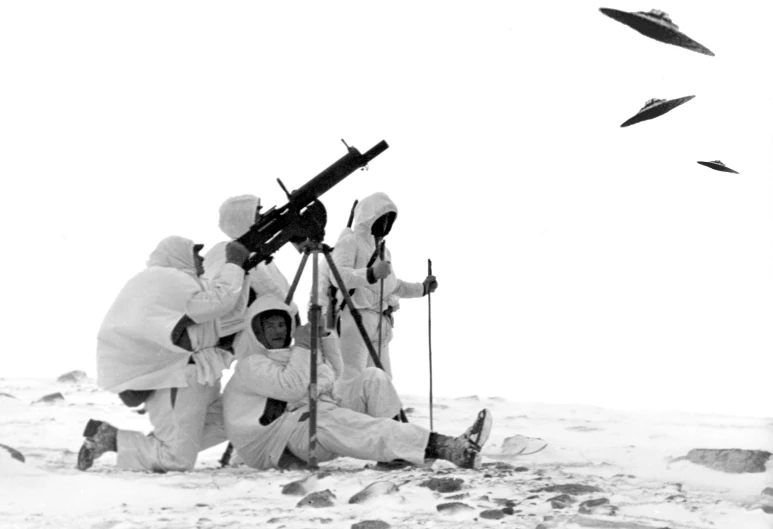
{"x":731,"y":460}
{"x":443,"y":484}
{"x":375,"y":489}
{"x":50,"y":398}
{"x":73,"y":377}
{"x":574,"y":489}
{"x":14,"y":453}
{"x":319,"y":499}
{"x":371,"y":524}
{"x":454,"y":507}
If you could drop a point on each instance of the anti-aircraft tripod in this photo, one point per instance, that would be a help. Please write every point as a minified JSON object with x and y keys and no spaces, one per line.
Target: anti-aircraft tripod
{"x":314,"y":247}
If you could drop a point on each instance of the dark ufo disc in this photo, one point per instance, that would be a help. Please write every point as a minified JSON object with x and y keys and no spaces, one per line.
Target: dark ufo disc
{"x":719,"y":166}
{"x":656,"y":25}
{"x":655,"y":108}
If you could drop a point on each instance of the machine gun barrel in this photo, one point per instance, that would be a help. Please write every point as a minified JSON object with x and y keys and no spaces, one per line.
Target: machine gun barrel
{"x":303,"y":216}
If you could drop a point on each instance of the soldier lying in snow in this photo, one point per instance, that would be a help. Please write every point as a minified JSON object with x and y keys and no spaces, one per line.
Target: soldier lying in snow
{"x":265,"y":404}
{"x":157,"y":345}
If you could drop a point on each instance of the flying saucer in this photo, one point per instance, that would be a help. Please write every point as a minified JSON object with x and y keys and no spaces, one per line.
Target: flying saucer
{"x":654,"y":108}
{"x":656,"y":25}
{"x":719,"y":166}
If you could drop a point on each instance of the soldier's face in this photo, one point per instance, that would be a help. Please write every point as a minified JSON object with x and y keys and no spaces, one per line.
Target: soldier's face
{"x":274,"y":330}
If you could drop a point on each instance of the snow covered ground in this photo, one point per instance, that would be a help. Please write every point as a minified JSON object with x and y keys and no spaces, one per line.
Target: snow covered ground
{"x":624,"y":456}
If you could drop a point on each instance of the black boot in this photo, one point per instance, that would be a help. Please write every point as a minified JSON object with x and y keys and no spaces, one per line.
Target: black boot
{"x":100,"y":438}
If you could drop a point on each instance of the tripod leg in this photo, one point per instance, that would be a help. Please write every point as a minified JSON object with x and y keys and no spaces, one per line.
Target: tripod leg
{"x":356,"y":316}
{"x":314,"y":316}
{"x":291,"y":292}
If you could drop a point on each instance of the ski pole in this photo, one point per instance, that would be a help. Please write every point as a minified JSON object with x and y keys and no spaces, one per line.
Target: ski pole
{"x":380,"y":298}
{"x":429,"y":331}
{"x":351,"y":214}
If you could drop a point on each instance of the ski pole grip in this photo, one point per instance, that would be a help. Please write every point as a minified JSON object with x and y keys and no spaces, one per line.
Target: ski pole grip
{"x":351,"y":214}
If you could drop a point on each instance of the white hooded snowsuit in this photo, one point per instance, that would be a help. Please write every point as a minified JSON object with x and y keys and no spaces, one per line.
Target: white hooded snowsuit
{"x":136,"y":351}
{"x":351,"y":255}
{"x":361,"y":426}
{"x":237,"y":215}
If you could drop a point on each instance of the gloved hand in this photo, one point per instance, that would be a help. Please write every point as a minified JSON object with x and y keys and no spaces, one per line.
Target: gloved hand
{"x":236,"y":253}
{"x":325,"y":380}
{"x":430,"y":285}
{"x":302,"y":336}
{"x":379,"y":270}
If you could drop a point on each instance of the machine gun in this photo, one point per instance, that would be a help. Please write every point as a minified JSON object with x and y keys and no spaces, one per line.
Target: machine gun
{"x":303,"y":217}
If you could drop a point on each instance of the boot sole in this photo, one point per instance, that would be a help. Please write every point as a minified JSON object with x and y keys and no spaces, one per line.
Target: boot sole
{"x":481,"y":429}
{"x":85,"y":461}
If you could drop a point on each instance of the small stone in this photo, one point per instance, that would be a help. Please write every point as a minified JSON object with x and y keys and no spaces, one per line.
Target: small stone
{"x":521,"y":469}
{"x":454,"y":507}
{"x":768,"y":509}
{"x":18,"y":456}
{"x":767,"y":491}
{"x":561,"y":502}
{"x":492,"y":514}
{"x":605,"y":510}
{"x":301,"y":487}
{"x":73,"y":377}
{"x":371,"y":524}
{"x":462,"y":496}
{"x":51,"y":397}
{"x":583,"y":428}
{"x":317,"y":500}
{"x":498,"y":465}
{"x":732,"y":460}
{"x":375,"y":489}
{"x":508,"y":510}
{"x":587,"y":506}
{"x":443,"y":485}
{"x":574,"y":489}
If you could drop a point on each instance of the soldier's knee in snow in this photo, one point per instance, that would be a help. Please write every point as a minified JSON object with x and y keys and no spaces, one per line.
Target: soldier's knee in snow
{"x":178,"y":463}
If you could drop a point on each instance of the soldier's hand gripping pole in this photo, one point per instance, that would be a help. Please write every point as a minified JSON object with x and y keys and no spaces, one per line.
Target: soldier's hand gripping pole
{"x":356,"y":315}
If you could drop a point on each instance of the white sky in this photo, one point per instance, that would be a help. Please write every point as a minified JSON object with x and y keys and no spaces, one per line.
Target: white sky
{"x":577,"y":261}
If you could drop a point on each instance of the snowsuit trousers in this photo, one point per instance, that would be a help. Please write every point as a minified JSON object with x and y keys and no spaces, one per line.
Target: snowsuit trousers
{"x":185,"y":422}
{"x":354,"y":351}
{"x":362,"y":426}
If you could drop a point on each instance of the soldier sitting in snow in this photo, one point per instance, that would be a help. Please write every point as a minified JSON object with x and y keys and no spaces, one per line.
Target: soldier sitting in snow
{"x":157,"y":345}
{"x":266,"y":411}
